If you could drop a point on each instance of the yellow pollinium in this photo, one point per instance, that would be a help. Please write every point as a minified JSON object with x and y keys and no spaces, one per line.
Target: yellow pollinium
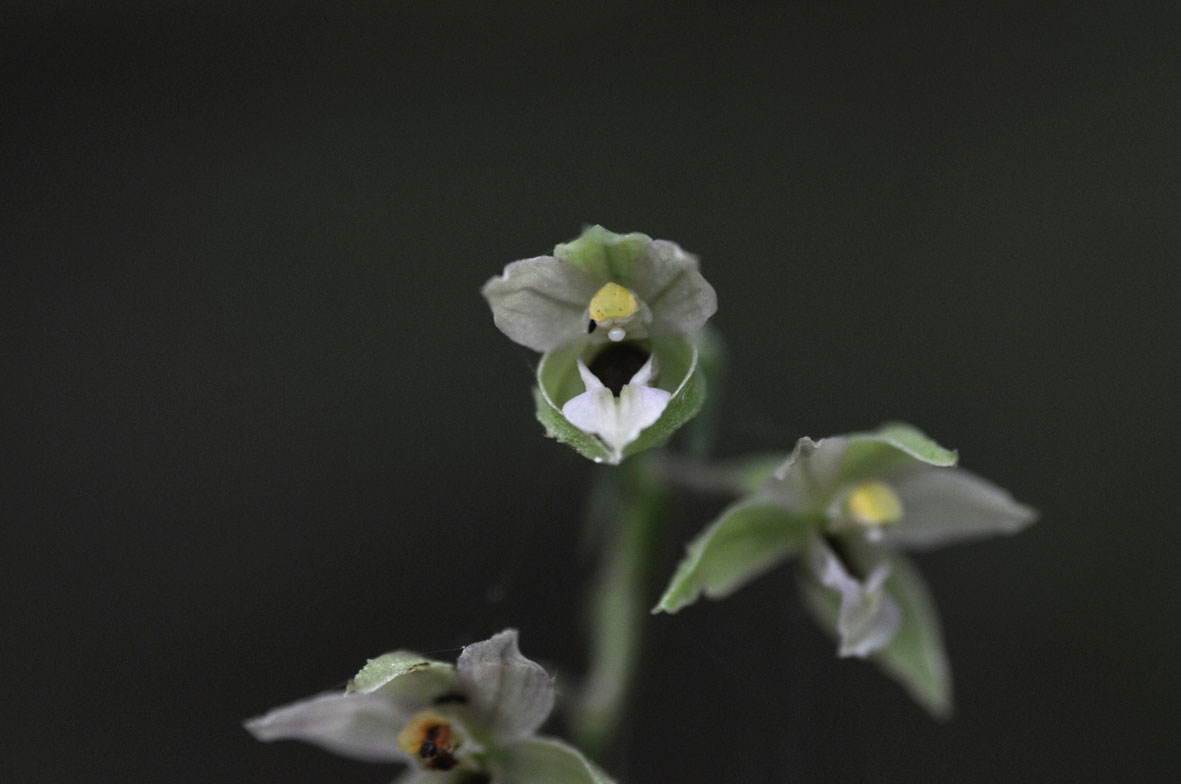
{"x":612,"y":303}
{"x":874,"y":503}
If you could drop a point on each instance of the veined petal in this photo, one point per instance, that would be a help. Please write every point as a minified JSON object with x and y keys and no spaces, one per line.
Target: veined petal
{"x":541,"y":302}
{"x":666,"y":278}
{"x":868,"y":617}
{"x":511,"y":694}
{"x":361,"y":726}
{"x":943,"y":504}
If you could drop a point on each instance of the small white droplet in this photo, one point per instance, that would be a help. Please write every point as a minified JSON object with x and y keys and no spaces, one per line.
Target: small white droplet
{"x":617,"y":334}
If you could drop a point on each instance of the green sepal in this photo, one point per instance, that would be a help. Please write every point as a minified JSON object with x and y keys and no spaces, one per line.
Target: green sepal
{"x":678,"y":360}
{"x":410,"y":674}
{"x":603,"y":254}
{"x":916,"y":657}
{"x":543,"y":761}
{"x":711,"y":362}
{"x":868,"y":454}
{"x":558,"y":381}
{"x":748,"y":539}
{"x":560,"y":429}
{"x":915,"y":443}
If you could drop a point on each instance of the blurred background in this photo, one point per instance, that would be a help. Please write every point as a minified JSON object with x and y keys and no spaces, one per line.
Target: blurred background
{"x":258,"y":425}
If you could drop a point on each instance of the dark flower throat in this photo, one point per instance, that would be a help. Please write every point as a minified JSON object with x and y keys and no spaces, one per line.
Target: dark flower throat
{"x":616,"y":363}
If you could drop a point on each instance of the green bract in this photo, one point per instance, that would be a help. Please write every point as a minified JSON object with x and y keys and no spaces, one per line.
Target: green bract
{"x":615,"y":315}
{"x":845,"y":504}
{"x":469,"y":722}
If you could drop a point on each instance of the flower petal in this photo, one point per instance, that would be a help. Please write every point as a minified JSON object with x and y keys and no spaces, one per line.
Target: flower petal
{"x":666,"y":279}
{"x":944,"y":504}
{"x":678,"y":358}
{"x":512,"y":695}
{"x":748,"y":539}
{"x":808,"y":476}
{"x":616,"y":420}
{"x":559,"y":382}
{"x":540,"y":302}
{"x":868,"y":617}
{"x":544,"y":761}
{"x":916,"y":657}
{"x":361,"y":726}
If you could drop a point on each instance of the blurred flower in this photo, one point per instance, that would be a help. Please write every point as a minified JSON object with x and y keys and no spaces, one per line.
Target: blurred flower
{"x":614,"y":315}
{"x":453,"y":724}
{"x":848,"y":503}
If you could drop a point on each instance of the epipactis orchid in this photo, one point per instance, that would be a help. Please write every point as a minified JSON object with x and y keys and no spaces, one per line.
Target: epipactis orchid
{"x":468,"y":723}
{"x":615,"y":316}
{"x":848,"y":504}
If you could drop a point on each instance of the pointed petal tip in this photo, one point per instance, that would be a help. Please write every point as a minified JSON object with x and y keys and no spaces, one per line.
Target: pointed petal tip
{"x":514,"y":694}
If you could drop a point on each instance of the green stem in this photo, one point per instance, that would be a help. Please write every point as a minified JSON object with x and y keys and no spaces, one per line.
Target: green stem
{"x":729,"y":479}
{"x":627,"y":514}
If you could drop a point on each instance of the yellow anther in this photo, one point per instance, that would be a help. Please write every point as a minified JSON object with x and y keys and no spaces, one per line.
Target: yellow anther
{"x":428,"y":737}
{"x":612,"y":303}
{"x":874,"y":503}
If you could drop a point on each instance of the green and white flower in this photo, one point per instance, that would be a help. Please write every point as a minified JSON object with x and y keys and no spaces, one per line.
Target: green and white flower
{"x":601,"y":287}
{"x":847,"y":505}
{"x":474,"y":721}
{"x":615,"y":316}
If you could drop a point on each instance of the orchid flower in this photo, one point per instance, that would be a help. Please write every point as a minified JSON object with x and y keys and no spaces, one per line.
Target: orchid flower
{"x":615,"y":316}
{"x":848,"y":505}
{"x":467,"y":723}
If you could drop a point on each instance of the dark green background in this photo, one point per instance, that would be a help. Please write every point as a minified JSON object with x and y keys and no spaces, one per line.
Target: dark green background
{"x":258,"y":425}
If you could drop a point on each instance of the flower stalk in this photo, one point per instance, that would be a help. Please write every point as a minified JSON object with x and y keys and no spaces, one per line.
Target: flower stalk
{"x":627,"y":520}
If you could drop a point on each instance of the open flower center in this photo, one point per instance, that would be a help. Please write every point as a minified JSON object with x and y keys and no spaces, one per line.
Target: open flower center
{"x":610,"y":307}
{"x":874,"y":504}
{"x":616,"y":364}
{"x":429,"y":738}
